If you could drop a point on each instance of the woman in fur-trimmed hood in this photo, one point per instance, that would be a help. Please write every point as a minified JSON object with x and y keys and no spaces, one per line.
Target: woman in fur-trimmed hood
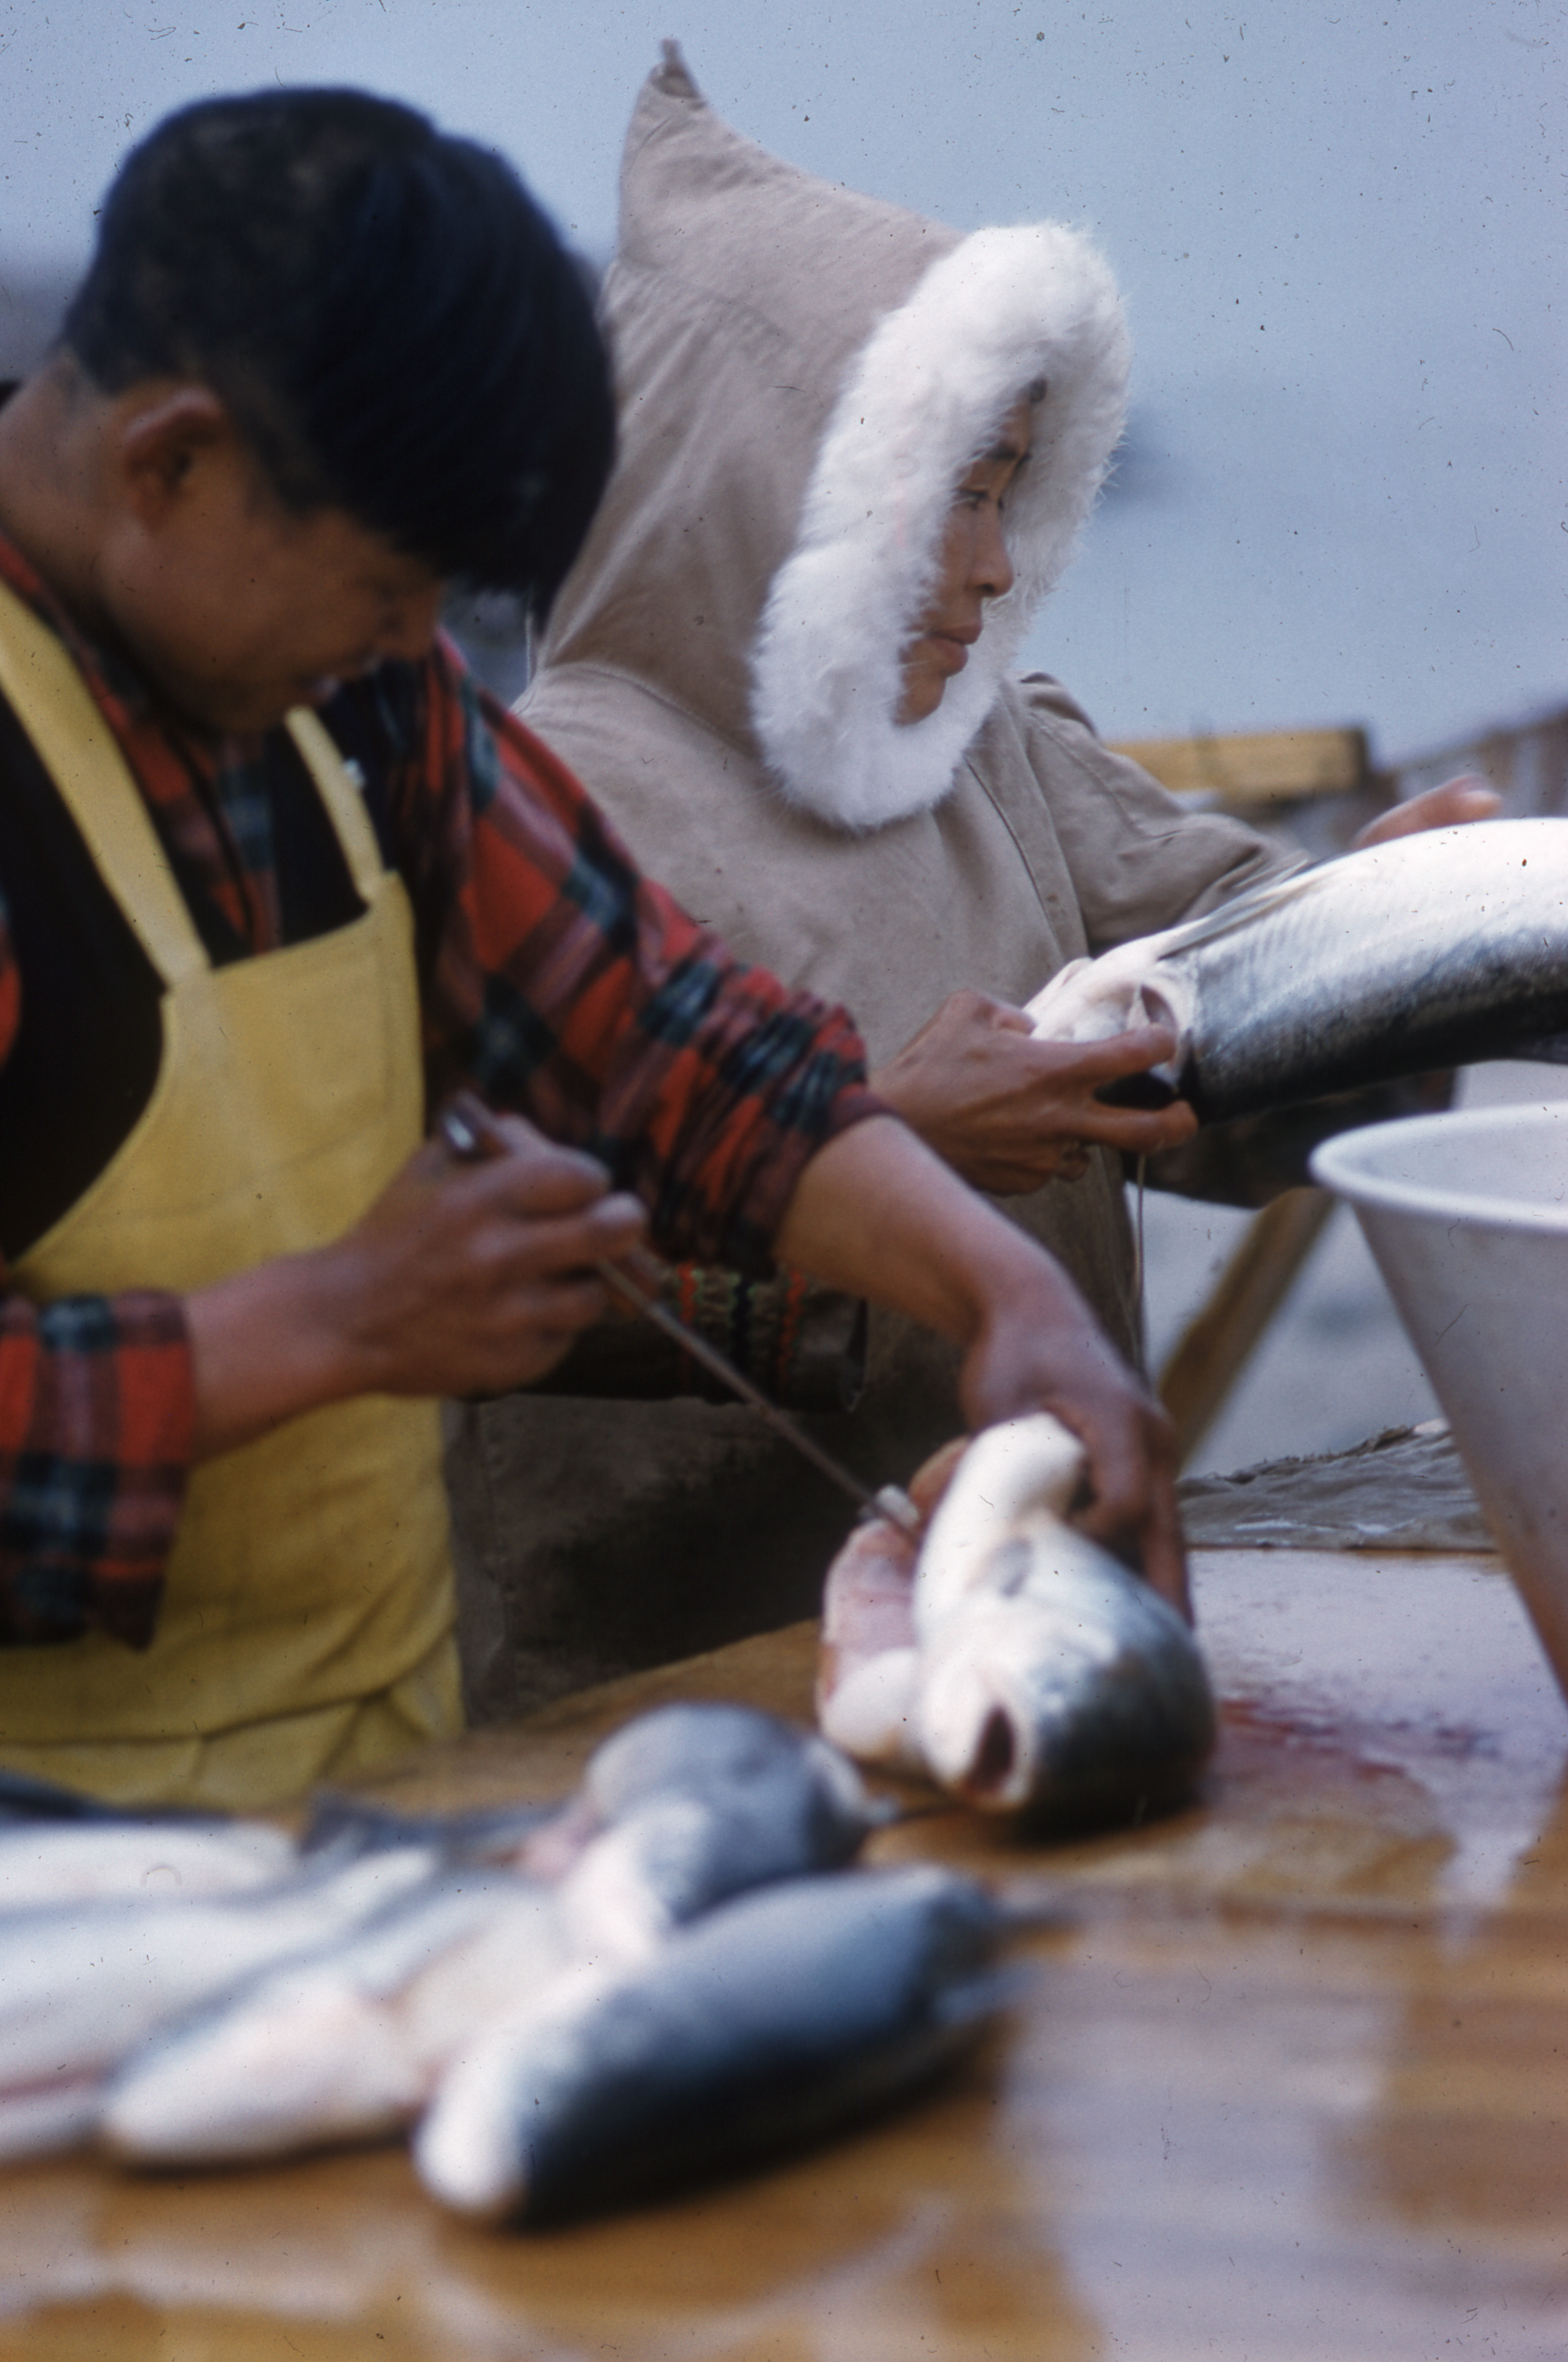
{"x":812,"y":385}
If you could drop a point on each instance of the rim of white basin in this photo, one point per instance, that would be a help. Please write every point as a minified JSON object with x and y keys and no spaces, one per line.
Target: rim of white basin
{"x":1338,"y":1165}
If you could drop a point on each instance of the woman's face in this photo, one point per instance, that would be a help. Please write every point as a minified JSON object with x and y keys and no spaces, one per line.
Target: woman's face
{"x":973,"y":567}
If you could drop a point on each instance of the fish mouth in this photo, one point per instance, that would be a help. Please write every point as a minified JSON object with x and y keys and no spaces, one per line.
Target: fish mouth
{"x":995,"y":1759}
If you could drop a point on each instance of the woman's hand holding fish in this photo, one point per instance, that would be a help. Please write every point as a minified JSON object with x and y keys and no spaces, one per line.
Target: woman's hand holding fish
{"x":1010,"y":1113}
{"x":876,"y":1213}
{"x":462,"y":1279}
{"x":1457,"y":801}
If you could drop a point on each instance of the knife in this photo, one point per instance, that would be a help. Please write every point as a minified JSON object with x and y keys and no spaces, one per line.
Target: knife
{"x":471,"y":1131}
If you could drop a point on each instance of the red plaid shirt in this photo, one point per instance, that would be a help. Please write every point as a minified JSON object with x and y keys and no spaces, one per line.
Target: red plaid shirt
{"x":555,"y":978}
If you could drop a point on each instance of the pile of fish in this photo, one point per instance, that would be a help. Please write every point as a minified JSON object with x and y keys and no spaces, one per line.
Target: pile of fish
{"x":566,"y":2008}
{"x":1006,"y":1656}
{"x":1433,"y":950}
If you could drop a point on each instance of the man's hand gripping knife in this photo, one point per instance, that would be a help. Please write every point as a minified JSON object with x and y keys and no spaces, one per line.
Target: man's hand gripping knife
{"x":472,"y":1276}
{"x":463,"y":1278}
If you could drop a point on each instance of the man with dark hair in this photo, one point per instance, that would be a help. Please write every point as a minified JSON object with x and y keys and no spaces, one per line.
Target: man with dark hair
{"x":275,"y":877}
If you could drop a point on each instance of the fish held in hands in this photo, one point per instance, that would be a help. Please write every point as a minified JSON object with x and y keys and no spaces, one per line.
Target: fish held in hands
{"x":1034,"y":1673}
{"x":768,"y":2022}
{"x":1432,"y":950}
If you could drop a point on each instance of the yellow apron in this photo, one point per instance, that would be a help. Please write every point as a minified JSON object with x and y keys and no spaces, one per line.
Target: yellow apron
{"x":308,"y":1622}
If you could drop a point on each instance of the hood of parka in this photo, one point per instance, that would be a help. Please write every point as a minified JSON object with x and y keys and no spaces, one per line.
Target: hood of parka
{"x":804,"y":376}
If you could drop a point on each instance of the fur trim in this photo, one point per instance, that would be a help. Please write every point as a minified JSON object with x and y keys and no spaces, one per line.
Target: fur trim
{"x":934,"y":384}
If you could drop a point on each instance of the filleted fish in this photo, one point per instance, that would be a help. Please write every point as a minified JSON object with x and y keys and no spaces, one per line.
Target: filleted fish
{"x":1433,"y":950}
{"x":1012,"y":1659}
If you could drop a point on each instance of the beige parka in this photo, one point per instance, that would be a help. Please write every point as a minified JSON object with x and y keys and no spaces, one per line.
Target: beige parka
{"x":804,"y":374}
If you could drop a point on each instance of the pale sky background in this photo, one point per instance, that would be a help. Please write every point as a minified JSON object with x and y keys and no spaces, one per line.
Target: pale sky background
{"x":1338,"y":225}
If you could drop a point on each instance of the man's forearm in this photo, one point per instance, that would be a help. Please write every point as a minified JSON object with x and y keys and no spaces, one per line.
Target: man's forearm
{"x":876,"y":1212}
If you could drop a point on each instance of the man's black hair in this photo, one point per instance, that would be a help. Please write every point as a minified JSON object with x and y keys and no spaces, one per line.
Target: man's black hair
{"x":389,"y":319}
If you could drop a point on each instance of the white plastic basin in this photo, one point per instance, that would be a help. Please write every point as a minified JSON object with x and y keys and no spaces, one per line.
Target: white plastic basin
{"x":1467,"y":1216}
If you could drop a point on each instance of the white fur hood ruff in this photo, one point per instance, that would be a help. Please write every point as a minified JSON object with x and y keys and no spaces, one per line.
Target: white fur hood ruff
{"x":804,"y":377}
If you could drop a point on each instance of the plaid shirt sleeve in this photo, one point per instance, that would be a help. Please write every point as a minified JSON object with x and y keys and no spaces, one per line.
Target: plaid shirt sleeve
{"x":561,"y":982}
{"x":95,"y":1418}
{"x":555,"y":979}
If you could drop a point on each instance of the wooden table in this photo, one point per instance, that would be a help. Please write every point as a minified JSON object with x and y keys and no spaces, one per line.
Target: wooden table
{"x":1292,"y":2083}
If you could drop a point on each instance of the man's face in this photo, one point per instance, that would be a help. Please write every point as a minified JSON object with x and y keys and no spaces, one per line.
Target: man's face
{"x":973,"y":567}
{"x":237,"y":610}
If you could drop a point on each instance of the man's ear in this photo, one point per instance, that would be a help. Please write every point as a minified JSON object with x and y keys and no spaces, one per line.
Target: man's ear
{"x":160,"y":438}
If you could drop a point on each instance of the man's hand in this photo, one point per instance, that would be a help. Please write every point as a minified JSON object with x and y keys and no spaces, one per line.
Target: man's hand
{"x":875,"y":1212}
{"x":1032,"y":1354}
{"x":462,"y":1279}
{"x":474,"y":1279}
{"x":1458,"y":800}
{"x":1009,"y":1113}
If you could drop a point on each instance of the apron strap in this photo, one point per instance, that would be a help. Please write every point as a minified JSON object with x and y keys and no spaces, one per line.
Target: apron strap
{"x":55,"y":708}
{"x":345,"y":806}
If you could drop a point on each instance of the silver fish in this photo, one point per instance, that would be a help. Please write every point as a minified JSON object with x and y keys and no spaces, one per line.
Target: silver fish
{"x":768,"y":2022}
{"x":81,"y":1984}
{"x":693,"y":1803}
{"x":1434,"y":950}
{"x":1039,"y":1675}
{"x":49,"y":1862}
{"x":679,"y":1808}
{"x":347,"y":2043}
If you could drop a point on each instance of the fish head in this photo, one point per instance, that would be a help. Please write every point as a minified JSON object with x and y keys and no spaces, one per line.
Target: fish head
{"x":1091,"y":1001}
{"x":1090,"y":1705}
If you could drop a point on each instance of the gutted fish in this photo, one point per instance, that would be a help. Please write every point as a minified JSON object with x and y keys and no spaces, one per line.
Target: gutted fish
{"x":83,"y":1984}
{"x":689,"y":1805}
{"x":347,"y":2043}
{"x":774,"y":2019}
{"x":1035,"y":1673}
{"x":678,"y":1809}
{"x":1434,"y":950}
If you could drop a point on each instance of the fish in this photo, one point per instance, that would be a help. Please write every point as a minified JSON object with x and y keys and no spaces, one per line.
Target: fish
{"x":1031,"y":1673}
{"x":680,"y":1809}
{"x":345,"y":2043}
{"x":83,"y":1984}
{"x":691,"y":1804}
{"x":680,"y":1806}
{"x":340,"y":1822}
{"x":1434,"y":950}
{"x":43,"y":1863}
{"x":768,"y":2022}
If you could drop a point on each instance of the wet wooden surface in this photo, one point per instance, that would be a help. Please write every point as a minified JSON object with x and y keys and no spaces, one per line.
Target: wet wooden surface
{"x":1292,"y":2082}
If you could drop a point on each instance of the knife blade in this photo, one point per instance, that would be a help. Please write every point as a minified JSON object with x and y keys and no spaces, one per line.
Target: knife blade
{"x":471,"y":1133}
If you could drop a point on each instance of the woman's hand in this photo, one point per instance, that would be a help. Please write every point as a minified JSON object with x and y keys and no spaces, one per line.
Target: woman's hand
{"x":1009,"y":1113}
{"x":1467,"y":798}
